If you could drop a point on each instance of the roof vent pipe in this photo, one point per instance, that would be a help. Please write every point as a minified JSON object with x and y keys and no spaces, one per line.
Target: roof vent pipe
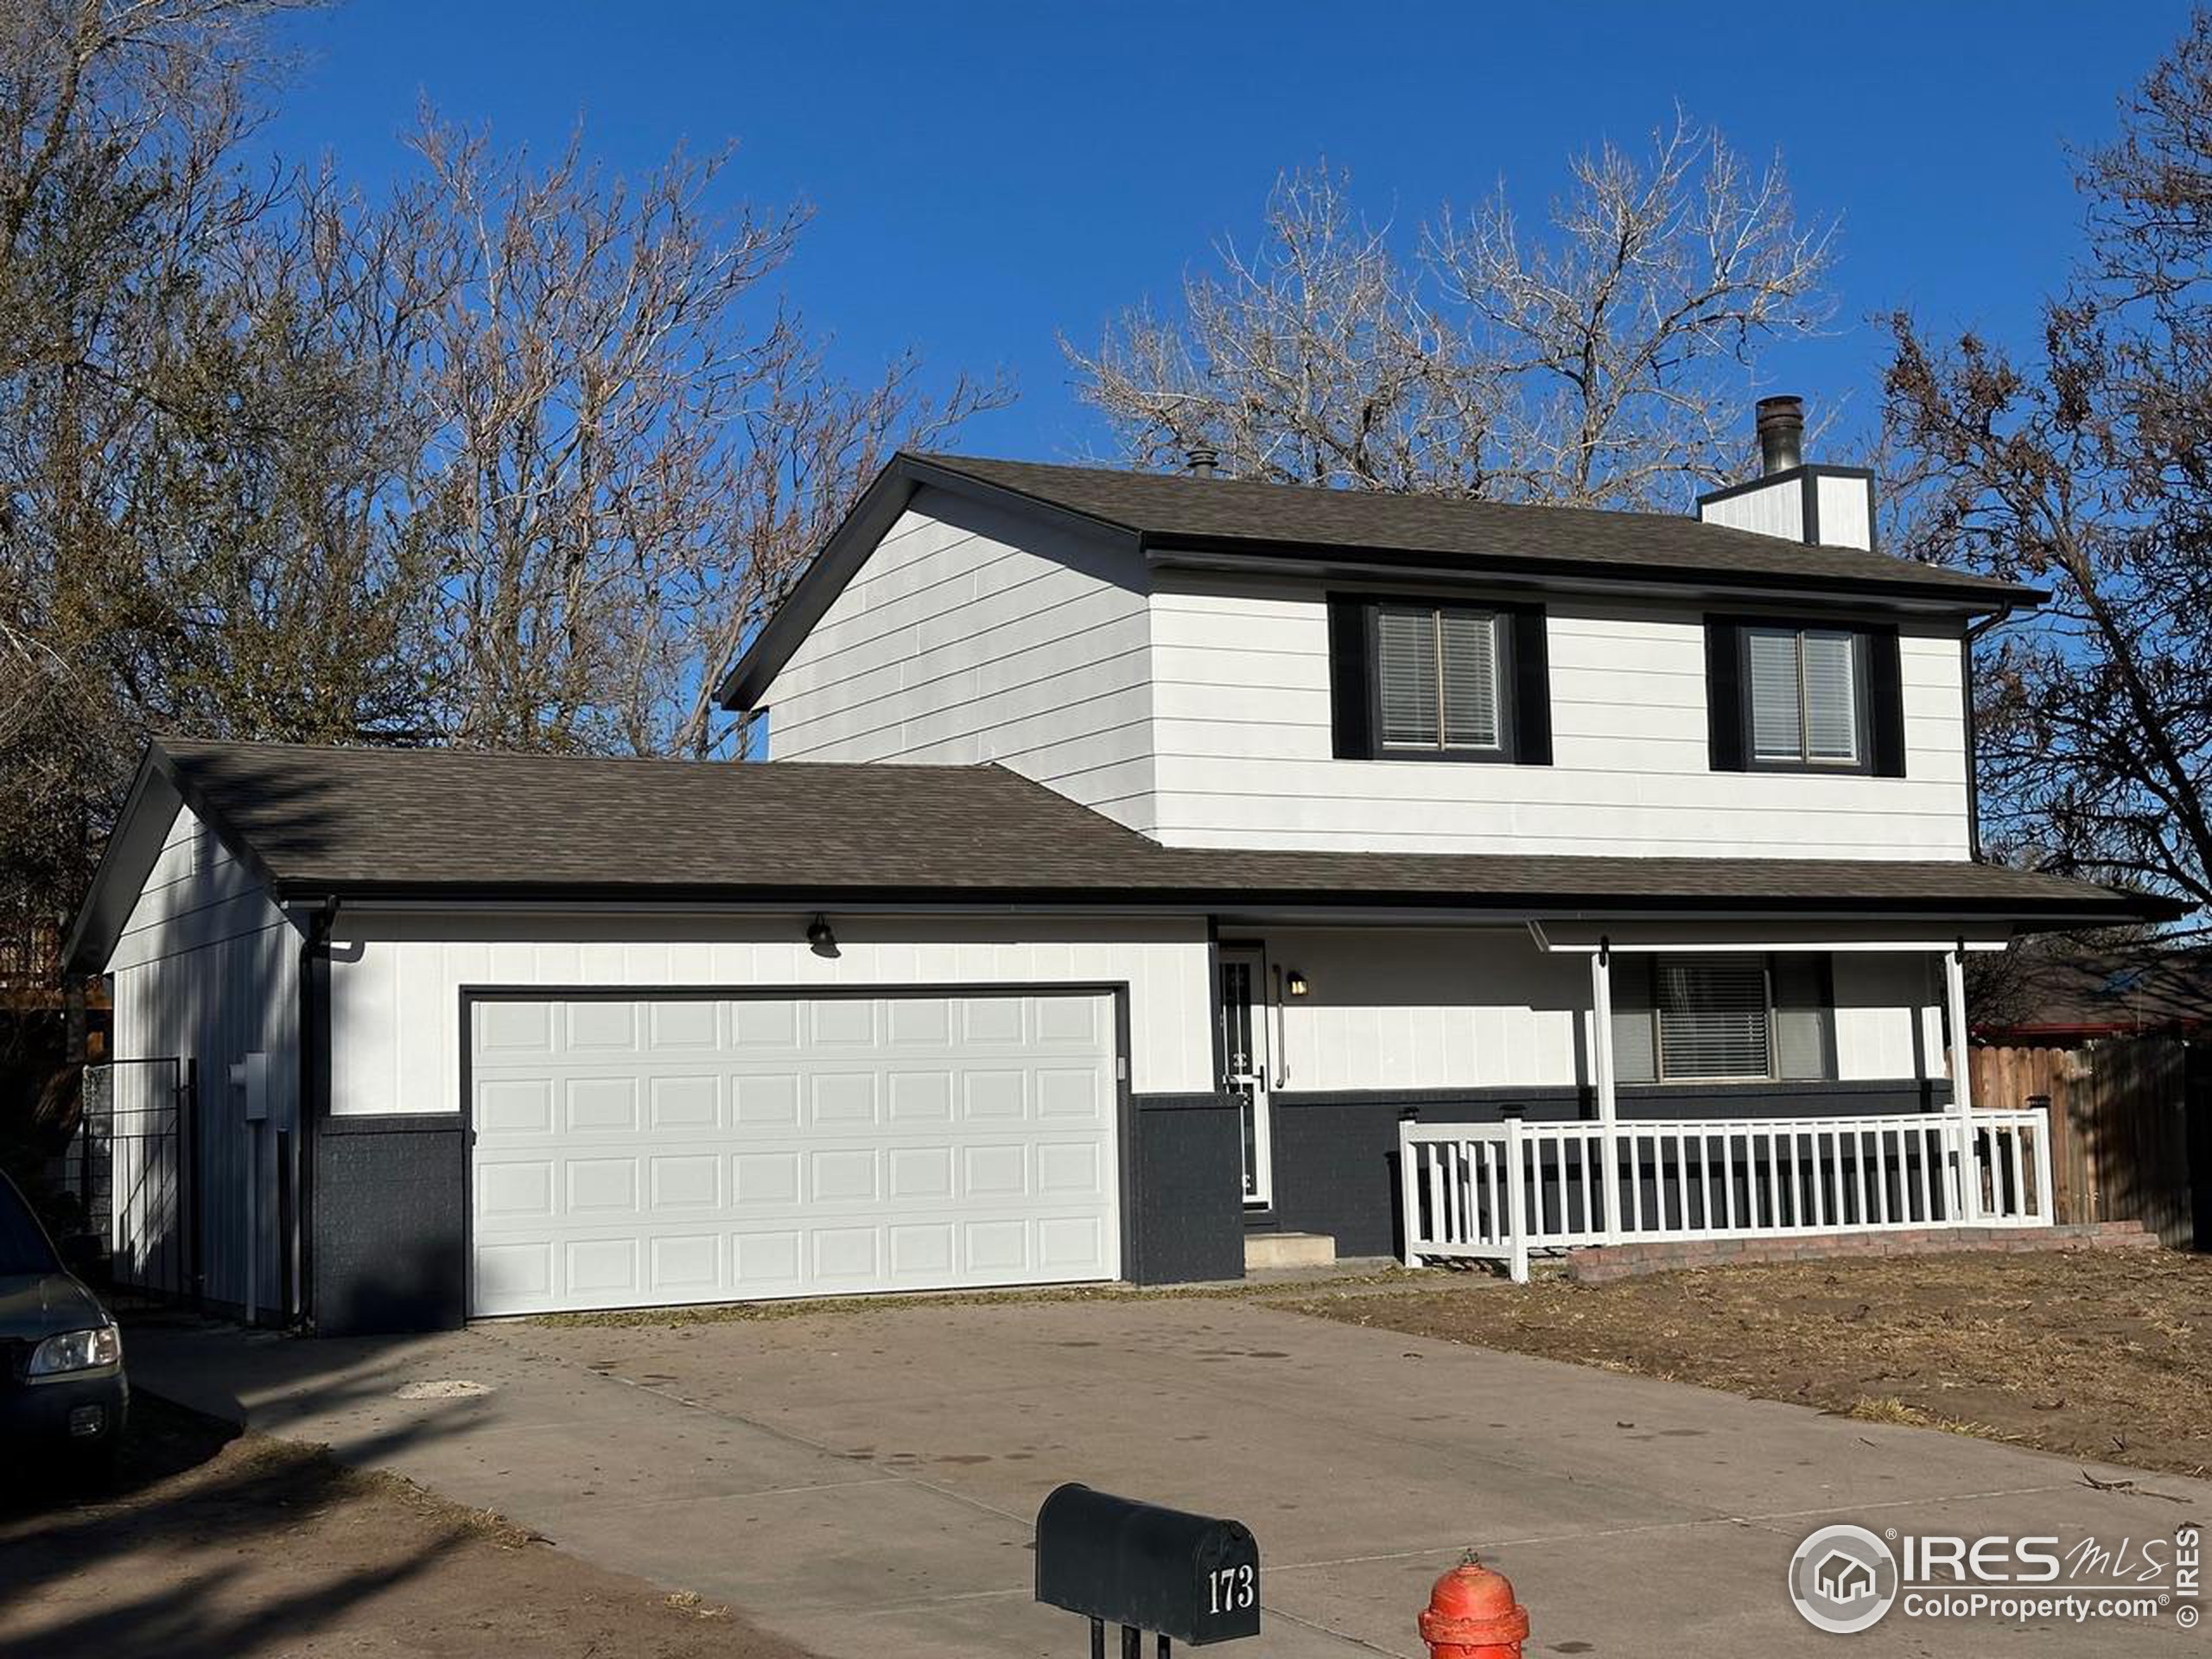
{"x":1782,"y":434}
{"x":1201,"y":460}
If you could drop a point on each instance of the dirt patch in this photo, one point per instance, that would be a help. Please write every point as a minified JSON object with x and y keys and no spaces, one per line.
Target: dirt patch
{"x":2103,"y":1355}
{"x":206,"y":1543}
{"x":1361,"y":1278}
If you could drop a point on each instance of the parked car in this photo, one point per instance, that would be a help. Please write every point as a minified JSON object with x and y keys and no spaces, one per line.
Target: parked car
{"x":62,"y":1388}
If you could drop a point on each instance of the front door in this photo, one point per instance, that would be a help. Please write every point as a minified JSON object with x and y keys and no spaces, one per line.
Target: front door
{"x":1246,"y":1057}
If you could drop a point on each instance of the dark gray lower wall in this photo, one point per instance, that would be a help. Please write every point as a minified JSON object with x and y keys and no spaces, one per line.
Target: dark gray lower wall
{"x":1336,"y":1154}
{"x":1187,"y":1198}
{"x":391,"y":1225}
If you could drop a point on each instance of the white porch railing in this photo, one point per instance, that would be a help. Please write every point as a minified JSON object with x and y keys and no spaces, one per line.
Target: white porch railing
{"x":1502,"y":1191}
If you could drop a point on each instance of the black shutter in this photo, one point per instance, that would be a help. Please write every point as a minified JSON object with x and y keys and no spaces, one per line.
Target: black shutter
{"x":1885,"y":702}
{"x":1349,"y":690}
{"x":1724,"y":693}
{"x":1532,"y":687}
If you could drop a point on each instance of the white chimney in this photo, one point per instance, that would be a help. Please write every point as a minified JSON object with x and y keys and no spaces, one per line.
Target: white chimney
{"x":1827,"y":505}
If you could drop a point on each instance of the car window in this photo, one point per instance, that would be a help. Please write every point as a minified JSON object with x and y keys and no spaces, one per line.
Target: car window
{"x":23,"y":1248}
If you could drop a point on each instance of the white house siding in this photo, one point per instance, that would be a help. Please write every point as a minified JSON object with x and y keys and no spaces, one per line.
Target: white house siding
{"x":1845,"y":506}
{"x":207,"y":970}
{"x":1451,"y":1008}
{"x":1243,"y":748}
{"x":971,"y":635}
{"x":396,"y":980}
{"x":1775,"y":509}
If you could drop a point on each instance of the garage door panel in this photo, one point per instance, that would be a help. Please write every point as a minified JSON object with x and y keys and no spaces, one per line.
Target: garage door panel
{"x":686,"y":1264}
{"x":922,"y":1022}
{"x":600,"y":1027}
{"x":921,"y":1097}
{"x":679,"y":1025}
{"x":681,"y":1102}
{"x":601,"y":1105}
{"x":751,"y":1148}
{"x":504,"y":1028}
{"x":765,"y":1025}
{"x":842,"y":1099}
{"x":768,"y":1098}
{"x":687,"y":1180}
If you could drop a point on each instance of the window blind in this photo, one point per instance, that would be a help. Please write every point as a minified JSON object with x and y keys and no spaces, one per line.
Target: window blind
{"x":1777,"y":723}
{"x":1804,"y":691}
{"x":1712,"y":1017}
{"x":1804,"y":1019}
{"x":1468,"y":654}
{"x":1831,"y":686}
{"x":1636,"y":1038}
{"x":1406,"y":646}
{"x":1437,"y":674}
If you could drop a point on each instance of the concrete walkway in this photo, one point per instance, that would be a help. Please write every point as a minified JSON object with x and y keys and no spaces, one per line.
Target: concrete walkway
{"x":864,"y":1481}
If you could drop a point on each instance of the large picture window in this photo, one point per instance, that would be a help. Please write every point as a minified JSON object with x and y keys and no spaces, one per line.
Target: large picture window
{"x":1722,"y":1017}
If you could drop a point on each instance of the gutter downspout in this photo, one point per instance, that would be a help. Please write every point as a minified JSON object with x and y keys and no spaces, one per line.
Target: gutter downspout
{"x":314,"y":1099}
{"x":1975,"y":631}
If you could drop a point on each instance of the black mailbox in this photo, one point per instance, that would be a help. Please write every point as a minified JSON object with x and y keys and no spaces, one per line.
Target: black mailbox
{"x":1120,"y":1561}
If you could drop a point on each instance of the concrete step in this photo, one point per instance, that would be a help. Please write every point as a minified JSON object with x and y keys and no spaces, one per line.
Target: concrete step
{"x":1272,"y":1252}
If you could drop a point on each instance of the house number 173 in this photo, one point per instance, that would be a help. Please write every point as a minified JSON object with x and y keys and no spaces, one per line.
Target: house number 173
{"x":1233,"y":1588}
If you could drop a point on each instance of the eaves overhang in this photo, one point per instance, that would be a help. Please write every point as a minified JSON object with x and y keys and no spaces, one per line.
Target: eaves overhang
{"x":1234,"y":556}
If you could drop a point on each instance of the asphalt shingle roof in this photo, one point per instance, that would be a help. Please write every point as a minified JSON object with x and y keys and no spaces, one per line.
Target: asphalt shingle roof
{"x":1179,"y":507}
{"x":459,"y":824}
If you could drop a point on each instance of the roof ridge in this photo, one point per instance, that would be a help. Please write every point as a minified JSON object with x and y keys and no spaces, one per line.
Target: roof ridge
{"x":1657,"y":515}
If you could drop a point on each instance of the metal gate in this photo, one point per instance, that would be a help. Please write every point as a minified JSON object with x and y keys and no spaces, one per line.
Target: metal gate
{"x":133,"y":1170}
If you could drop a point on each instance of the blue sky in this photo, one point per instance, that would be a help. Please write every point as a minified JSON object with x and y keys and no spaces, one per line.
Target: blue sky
{"x":988,"y":176}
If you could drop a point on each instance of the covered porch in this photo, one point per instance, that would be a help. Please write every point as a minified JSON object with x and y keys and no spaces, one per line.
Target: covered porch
{"x":1521,"y":1186}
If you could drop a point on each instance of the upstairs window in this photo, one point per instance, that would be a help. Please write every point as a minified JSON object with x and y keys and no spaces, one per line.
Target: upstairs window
{"x":1424,"y":679}
{"x":1723,"y":1018}
{"x":1783,"y":695}
{"x":1436,"y":675}
{"x":1806,"y":706}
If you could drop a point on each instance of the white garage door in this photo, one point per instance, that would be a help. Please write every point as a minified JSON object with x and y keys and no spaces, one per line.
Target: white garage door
{"x":682,"y":1149}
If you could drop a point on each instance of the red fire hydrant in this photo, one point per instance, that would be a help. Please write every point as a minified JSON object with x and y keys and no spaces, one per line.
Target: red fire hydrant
{"x":1471,"y":1614}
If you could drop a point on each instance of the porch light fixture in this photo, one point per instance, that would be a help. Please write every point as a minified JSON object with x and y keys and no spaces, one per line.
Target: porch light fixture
{"x":819,"y":938}
{"x":1296,"y":983}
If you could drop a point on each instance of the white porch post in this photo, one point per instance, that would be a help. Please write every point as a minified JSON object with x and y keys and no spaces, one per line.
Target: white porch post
{"x":1601,"y":1070}
{"x":1954,"y":997}
{"x":1516,"y":1206}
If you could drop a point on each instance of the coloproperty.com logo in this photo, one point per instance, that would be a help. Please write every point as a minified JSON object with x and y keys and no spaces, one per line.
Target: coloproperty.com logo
{"x":1847,"y":1579}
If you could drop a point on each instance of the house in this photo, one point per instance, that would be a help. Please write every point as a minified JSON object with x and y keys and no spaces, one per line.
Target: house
{"x":2064,"y":998}
{"x":1150,"y":872}
{"x":1844,"y":1579}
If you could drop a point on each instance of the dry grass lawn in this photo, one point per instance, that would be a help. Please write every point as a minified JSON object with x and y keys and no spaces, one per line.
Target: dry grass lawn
{"x":2103,"y":1355}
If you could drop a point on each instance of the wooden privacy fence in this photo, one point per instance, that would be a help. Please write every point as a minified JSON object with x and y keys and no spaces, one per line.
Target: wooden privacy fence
{"x":2130,"y":1126}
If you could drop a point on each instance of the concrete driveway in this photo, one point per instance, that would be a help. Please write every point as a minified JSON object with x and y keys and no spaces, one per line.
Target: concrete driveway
{"x":864,"y":1481}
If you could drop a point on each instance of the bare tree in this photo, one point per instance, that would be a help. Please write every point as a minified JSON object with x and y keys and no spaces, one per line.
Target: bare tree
{"x":2090,"y":468}
{"x":515,"y":455}
{"x":1315,"y":359}
{"x":1600,"y":363}
{"x":119,"y":124}
{"x":629,"y":447}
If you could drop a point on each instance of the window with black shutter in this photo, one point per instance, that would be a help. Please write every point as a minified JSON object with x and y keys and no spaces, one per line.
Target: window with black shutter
{"x":1786,"y":697}
{"x":1423,"y":680}
{"x":1723,"y":1017}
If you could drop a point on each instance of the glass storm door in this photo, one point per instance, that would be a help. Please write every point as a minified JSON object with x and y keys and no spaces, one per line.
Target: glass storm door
{"x":1245,"y":1058}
